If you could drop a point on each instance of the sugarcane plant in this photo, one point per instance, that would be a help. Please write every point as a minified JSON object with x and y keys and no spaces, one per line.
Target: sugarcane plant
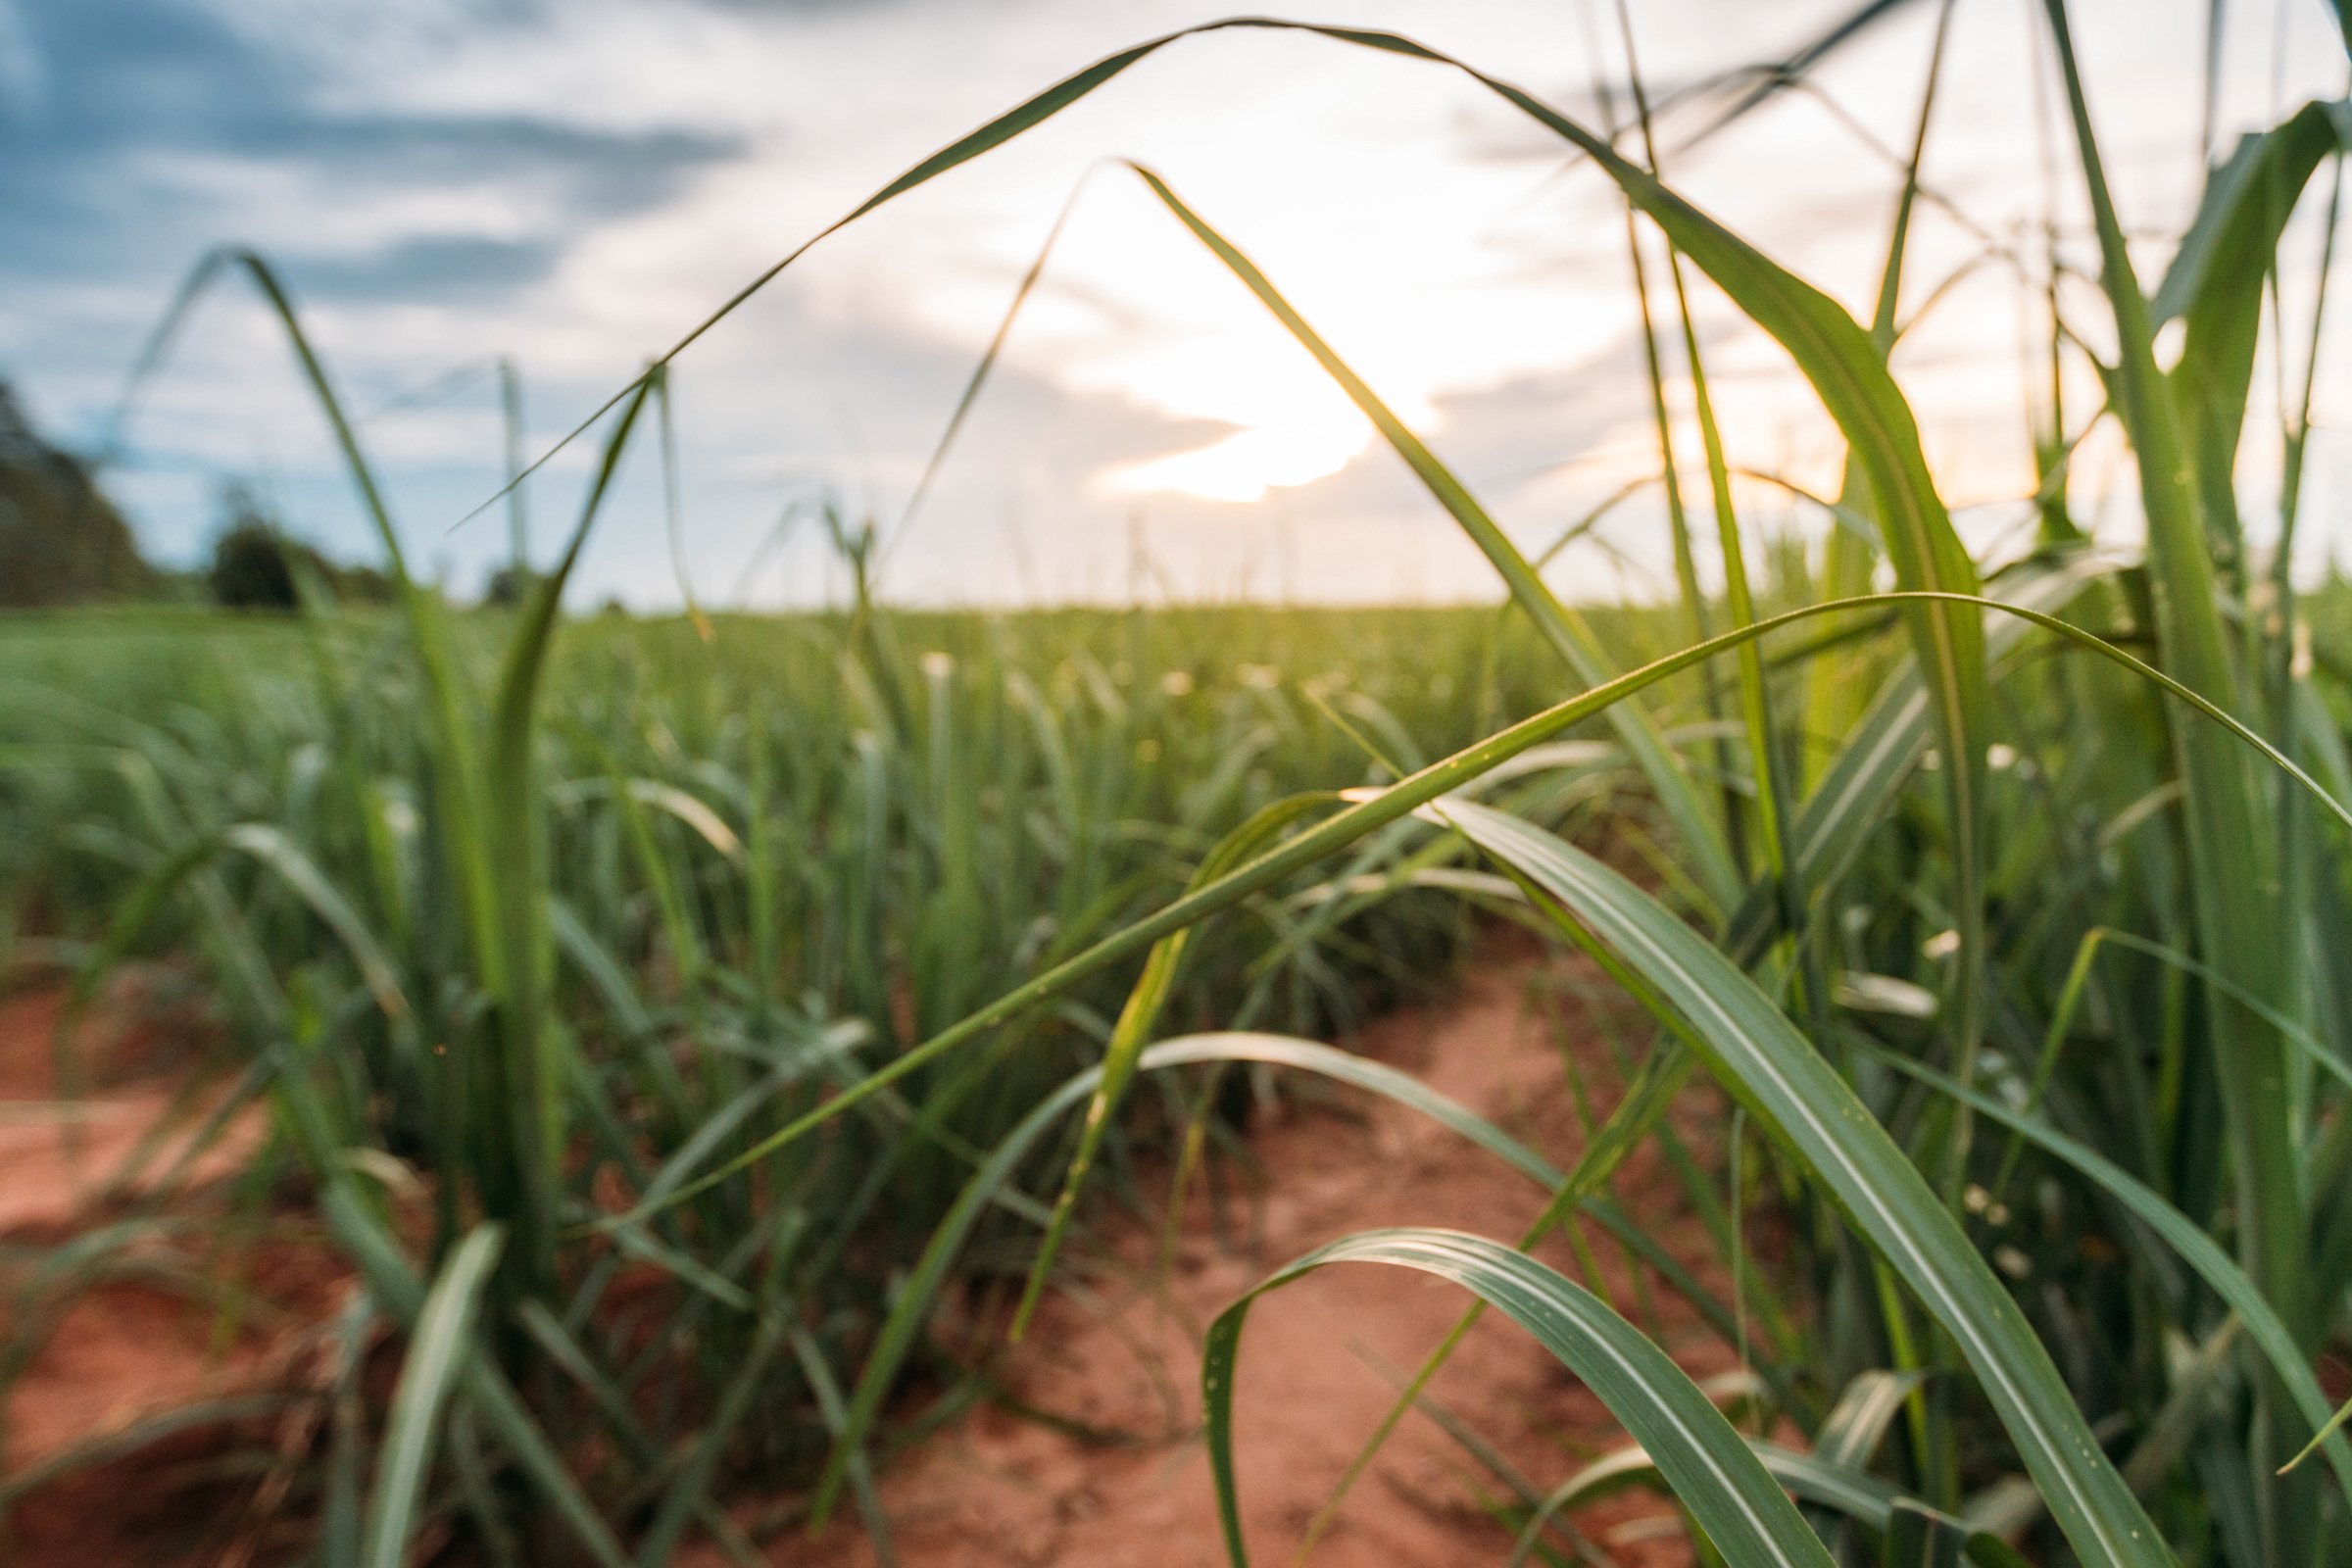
{"x":2002,"y":920}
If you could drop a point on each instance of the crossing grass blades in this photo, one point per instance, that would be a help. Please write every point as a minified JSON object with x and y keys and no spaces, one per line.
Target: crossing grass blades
{"x":739,"y":970}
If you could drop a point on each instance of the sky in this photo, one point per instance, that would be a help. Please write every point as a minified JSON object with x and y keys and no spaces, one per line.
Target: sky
{"x":444,"y":184}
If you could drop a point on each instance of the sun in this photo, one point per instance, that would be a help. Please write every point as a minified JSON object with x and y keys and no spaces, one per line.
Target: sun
{"x":1244,"y":466}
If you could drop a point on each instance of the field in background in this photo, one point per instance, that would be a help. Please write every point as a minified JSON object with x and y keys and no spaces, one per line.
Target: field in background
{"x":806,"y":834}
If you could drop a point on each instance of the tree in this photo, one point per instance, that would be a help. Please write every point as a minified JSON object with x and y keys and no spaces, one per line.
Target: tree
{"x":253,"y":564}
{"x":60,"y":541}
{"x":510,"y":586}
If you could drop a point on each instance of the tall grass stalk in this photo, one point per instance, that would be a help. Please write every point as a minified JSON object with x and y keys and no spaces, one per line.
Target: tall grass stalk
{"x":901,"y":897}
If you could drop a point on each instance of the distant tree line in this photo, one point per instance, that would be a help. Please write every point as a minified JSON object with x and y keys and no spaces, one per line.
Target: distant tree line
{"x":60,"y":541}
{"x":63,"y":543}
{"x":256,"y":566}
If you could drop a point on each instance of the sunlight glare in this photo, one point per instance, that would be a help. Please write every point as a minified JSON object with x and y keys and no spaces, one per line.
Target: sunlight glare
{"x":1303,"y":445}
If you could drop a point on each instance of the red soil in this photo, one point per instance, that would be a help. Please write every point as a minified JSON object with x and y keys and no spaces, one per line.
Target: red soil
{"x":996,"y":1490}
{"x":131,"y":1056}
{"x":139,"y":1341}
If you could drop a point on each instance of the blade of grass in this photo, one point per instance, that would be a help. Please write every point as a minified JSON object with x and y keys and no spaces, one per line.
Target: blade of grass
{"x":1711,"y":1469}
{"x":1563,"y":628}
{"x":1826,"y":1483}
{"x":361,"y":1234}
{"x":528,"y":1086}
{"x":2233,"y":848}
{"x":437,"y":1350}
{"x":455,"y":781}
{"x":1756,"y":1055}
{"x":2264,"y":1325}
{"x":2215,"y":284}
{"x":1764,"y":768}
{"x":273,"y":849}
{"x":836,"y":1419}
{"x":980,"y":371}
{"x":518,"y":521}
{"x":474,"y":1485}
{"x":1376,"y":809}
{"x":1856,"y":1423}
{"x":1137,"y":1019}
{"x":688,"y":1495}
{"x":1677,"y":521}
{"x":672,"y":510}
{"x":91,"y":1453}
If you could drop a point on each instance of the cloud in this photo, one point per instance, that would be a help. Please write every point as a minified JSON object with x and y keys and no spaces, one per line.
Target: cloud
{"x":158,"y":121}
{"x":24,"y":76}
{"x":447,"y":270}
{"x":574,"y":183}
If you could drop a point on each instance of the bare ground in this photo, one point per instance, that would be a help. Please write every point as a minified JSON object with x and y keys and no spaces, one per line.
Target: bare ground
{"x":181,"y":1314}
{"x":1113,"y":1356}
{"x":998,"y":1491}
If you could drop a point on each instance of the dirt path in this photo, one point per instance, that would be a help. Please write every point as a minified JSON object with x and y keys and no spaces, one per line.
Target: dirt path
{"x":995,"y":1489}
{"x":56,"y":1157}
{"x":115,"y":1355}
{"x":999,"y":1491}
{"x":149,"y":1335}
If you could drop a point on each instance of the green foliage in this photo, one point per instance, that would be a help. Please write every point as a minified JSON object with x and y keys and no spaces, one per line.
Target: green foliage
{"x":750,"y":901}
{"x":1733,"y":1499}
{"x":61,"y":542}
{"x":255,"y":566}
{"x":767,"y":966}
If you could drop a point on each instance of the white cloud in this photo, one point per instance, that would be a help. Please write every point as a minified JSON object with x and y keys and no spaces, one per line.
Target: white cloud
{"x":1410,"y":217}
{"x":24,"y":78}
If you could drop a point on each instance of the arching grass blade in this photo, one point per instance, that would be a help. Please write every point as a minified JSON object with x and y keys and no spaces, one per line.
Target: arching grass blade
{"x":1710,"y":1467}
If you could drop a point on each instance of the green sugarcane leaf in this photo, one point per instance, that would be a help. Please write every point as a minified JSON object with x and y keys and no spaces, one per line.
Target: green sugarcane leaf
{"x":912,"y":1307}
{"x":531,"y":1081}
{"x":1565,"y":630}
{"x":1761,"y":1060}
{"x":1710,"y":1467}
{"x":1846,"y":1488}
{"x":361,"y":1234}
{"x":689,"y":1494}
{"x":861,"y":1478}
{"x":2232,"y":871}
{"x":2196,"y":1248}
{"x":1849,"y":1435}
{"x":105,"y":1448}
{"x":2216,"y":283}
{"x":437,"y":1350}
{"x":457,"y":780}
{"x":1919,"y":1537}
{"x":1138,"y":1018}
{"x":282,"y":855}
